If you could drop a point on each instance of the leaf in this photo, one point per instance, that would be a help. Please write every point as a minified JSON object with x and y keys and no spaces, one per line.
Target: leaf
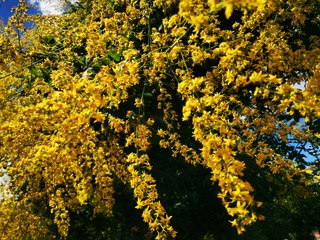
{"x":34,"y":72}
{"x":49,"y":40}
{"x":114,"y":55}
{"x":45,"y":72}
{"x":81,"y":60}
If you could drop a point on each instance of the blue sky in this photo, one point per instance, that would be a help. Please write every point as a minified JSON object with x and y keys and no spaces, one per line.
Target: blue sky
{"x":44,"y":6}
{"x":5,"y":9}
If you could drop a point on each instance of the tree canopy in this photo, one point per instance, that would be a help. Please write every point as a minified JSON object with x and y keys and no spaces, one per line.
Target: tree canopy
{"x":155,"y":119}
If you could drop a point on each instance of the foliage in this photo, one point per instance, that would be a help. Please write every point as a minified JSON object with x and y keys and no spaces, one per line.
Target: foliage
{"x":183,"y":112}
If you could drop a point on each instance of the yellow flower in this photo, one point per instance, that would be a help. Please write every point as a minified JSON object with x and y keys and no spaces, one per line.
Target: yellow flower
{"x":229,"y":10}
{"x":146,"y":215}
{"x":138,"y":102}
{"x":99,"y":116}
{"x":140,"y":204}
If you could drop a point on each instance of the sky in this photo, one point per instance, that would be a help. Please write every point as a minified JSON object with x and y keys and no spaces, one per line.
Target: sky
{"x":45,"y":7}
{"x":5,"y":8}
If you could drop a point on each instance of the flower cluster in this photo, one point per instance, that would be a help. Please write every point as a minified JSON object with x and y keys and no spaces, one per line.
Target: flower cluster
{"x":89,"y":96}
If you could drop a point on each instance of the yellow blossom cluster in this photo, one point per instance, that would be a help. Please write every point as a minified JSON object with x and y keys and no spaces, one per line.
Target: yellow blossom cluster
{"x":93,"y":92}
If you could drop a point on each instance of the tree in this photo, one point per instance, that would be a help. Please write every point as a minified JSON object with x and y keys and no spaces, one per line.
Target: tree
{"x":183,"y":112}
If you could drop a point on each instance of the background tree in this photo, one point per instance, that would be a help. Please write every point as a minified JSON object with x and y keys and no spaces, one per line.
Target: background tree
{"x":120,"y":114}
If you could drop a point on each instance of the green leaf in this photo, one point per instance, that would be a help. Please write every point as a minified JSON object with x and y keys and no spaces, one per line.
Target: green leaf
{"x":81,"y":60}
{"x":105,"y":61}
{"x":51,"y":40}
{"x":114,"y":55}
{"x":147,"y":94}
{"x":34,"y":72}
{"x":45,"y":72}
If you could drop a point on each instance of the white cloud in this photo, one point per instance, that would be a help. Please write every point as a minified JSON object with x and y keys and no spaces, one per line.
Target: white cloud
{"x":300,"y":86}
{"x":50,"y":7}
{"x":4,"y":181}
